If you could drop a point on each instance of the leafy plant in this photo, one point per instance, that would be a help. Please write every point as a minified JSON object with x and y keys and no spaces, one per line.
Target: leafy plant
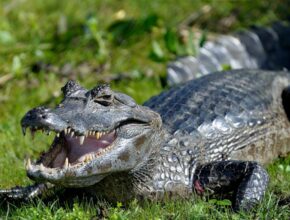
{"x":171,"y":46}
{"x":126,"y":31}
{"x":94,"y":32}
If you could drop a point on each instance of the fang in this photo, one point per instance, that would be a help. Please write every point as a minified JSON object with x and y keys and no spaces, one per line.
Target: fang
{"x":82,"y":139}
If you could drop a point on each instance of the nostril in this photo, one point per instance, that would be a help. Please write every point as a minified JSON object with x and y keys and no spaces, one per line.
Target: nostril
{"x":44,"y":116}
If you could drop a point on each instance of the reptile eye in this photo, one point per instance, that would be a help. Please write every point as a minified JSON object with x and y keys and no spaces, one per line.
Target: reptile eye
{"x":102,"y":95}
{"x":105,"y":100}
{"x":107,"y":97}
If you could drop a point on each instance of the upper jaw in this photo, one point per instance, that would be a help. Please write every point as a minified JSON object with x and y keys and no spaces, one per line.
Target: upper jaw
{"x":48,"y":121}
{"x":80,"y":122}
{"x":67,"y":131}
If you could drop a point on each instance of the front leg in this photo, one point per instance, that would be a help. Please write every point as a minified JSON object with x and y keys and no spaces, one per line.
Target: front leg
{"x":246,"y":179}
{"x":27,"y":193}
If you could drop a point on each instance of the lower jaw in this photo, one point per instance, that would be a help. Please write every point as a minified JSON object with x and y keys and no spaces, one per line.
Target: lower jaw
{"x":75,"y":178}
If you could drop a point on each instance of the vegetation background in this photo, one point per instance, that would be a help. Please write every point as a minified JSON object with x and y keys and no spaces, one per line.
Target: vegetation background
{"x":126,"y":44}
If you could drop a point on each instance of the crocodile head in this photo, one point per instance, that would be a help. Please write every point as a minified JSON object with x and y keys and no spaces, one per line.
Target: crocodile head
{"x":97,"y":132}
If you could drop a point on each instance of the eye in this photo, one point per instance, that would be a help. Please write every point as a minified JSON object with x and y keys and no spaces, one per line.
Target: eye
{"x":102,"y":94}
{"x":106,"y":97}
{"x":105,"y":100}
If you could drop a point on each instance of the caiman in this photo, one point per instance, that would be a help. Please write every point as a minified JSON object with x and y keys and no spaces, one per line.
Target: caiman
{"x":208,"y":136}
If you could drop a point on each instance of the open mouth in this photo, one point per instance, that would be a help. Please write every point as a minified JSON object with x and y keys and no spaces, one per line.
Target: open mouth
{"x":72,"y":150}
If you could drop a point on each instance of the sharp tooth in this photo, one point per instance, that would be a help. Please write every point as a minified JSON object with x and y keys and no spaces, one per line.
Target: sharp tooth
{"x":88,"y":158}
{"x":98,"y":135}
{"x":66,"y":163}
{"x":86,"y":134}
{"x":47,"y":132}
{"x":65,"y":131}
{"x":24,"y":130}
{"x":72,"y":134}
{"x":82,"y":139}
{"x":57,"y":134}
{"x":68,"y":130}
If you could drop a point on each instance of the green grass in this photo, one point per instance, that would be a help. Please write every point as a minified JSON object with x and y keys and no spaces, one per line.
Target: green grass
{"x":94,"y":46}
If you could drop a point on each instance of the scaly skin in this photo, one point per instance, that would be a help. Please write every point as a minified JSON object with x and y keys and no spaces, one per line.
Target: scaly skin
{"x":213,"y":132}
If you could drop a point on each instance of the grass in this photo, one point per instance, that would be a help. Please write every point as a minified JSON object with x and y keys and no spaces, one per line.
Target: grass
{"x":126,"y":43}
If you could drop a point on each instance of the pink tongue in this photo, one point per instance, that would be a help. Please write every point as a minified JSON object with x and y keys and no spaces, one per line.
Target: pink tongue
{"x":91,"y":144}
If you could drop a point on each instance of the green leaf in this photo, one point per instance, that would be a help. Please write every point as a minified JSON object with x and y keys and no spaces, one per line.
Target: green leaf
{"x":171,"y":41}
{"x":212,"y":201}
{"x":6,"y":37}
{"x":16,"y":65}
{"x":190,"y":47}
{"x":119,"y":204}
{"x":281,"y":167}
{"x":224,"y":202}
{"x":226,"y":67}
{"x":203,"y":39}
{"x":157,"y":53}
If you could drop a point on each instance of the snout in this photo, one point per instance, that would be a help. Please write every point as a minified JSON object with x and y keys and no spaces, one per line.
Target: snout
{"x":44,"y":118}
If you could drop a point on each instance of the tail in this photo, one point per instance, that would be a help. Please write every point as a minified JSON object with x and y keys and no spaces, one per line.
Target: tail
{"x":258,"y":48}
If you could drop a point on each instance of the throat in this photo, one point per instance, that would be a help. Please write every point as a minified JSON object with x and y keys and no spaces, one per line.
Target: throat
{"x":119,"y":186}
